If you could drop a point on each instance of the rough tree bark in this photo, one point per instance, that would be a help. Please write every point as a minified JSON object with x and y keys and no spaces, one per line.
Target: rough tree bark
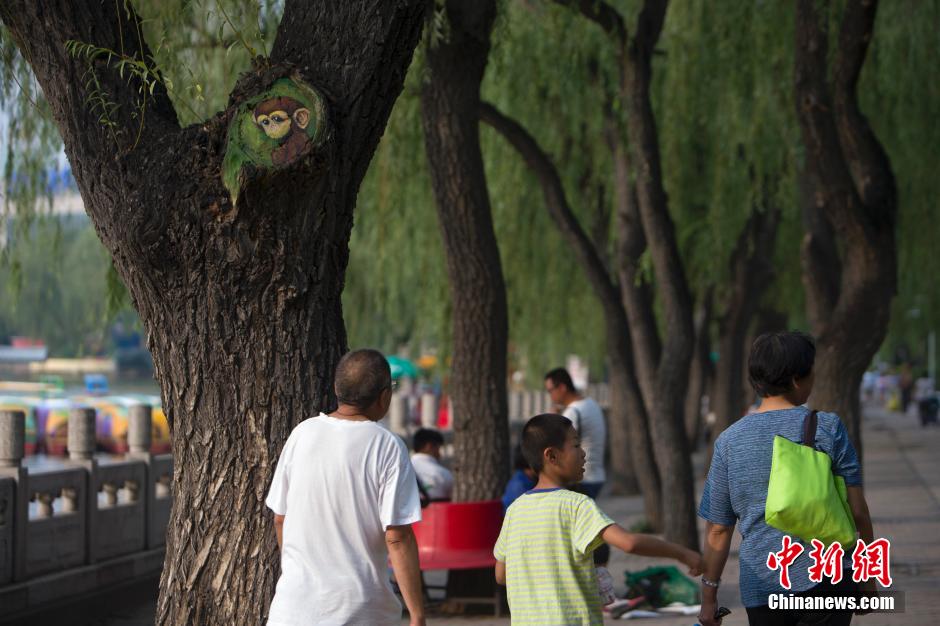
{"x":449,"y":100}
{"x":629,"y":430}
{"x":849,"y":206}
{"x":241,"y":304}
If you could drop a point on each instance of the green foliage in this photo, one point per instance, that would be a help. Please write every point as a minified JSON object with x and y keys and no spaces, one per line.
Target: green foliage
{"x":723,"y":85}
{"x":201,"y":47}
{"x":56,"y":286}
{"x":899,"y":93}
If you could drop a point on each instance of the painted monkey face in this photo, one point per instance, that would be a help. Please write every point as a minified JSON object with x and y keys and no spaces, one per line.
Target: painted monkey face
{"x":278,"y":117}
{"x":275,"y":125}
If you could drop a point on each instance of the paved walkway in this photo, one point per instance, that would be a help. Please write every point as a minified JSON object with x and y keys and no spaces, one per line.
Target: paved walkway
{"x":902,"y":482}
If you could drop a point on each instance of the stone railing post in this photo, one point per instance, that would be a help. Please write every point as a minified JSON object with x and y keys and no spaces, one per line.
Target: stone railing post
{"x":81,"y":441}
{"x":139,"y":439}
{"x":12,"y":438}
{"x":397,"y":413}
{"x":12,"y":446}
{"x":139,"y":429}
{"x":429,"y":410}
{"x":81,"y":446}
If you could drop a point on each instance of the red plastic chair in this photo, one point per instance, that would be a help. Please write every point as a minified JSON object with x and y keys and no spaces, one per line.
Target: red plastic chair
{"x":460,"y":535}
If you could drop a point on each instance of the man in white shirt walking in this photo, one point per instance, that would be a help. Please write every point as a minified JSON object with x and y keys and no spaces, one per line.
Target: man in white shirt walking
{"x":588,"y":419}
{"x":436,"y":480}
{"x":344,"y":496}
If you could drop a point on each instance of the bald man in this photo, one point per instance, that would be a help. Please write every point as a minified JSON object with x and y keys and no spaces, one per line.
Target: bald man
{"x":344,"y":496}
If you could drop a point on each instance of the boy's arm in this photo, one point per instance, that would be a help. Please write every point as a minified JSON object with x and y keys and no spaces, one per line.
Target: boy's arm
{"x":279,"y":530}
{"x":501,"y":572}
{"x":648,"y":545}
{"x":403,"y":552}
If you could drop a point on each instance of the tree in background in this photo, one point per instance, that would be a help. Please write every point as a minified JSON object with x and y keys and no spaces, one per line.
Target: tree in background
{"x":240,"y":299}
{"x":450,"y":98}
{"x":849,"y":207}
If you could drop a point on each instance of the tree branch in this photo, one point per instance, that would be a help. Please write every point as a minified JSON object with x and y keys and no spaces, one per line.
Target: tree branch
{"x":649,"y":26}
{"x":636,"y":296}
{"x":832,"y":188}
{"x":556,"y":200}
{"x":360,"y":55}
{"x":91,"y":102}
{"x":602,"y":14}
{"x":867,"y":159}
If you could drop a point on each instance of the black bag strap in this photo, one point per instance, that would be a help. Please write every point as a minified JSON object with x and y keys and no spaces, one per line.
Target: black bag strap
{"x":577,"y":419}
{"x":809,"y":429}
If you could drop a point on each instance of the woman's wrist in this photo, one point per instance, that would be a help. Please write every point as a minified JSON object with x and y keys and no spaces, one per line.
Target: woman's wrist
{"x":713,"y":583}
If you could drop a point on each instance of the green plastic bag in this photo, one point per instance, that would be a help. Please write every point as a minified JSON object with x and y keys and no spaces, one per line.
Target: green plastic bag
{"x":804,"y":498}
{"x":663,"y":585}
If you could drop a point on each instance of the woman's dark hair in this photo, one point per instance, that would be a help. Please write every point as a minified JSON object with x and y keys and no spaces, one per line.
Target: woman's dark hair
{"x":361,"y":377}
{"x":777,"y":359}
{"x":547,"y":430}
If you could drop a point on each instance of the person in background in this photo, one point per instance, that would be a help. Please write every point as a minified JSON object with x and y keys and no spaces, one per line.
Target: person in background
{"x":523,"y":478}
{"x":434,"y":479}
{"x":543,"y":554}
{"x":780,"y":369}
{"x":588,"y":420}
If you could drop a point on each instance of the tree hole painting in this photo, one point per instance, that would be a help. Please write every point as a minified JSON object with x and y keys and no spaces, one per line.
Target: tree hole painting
{"x":273,"y":130}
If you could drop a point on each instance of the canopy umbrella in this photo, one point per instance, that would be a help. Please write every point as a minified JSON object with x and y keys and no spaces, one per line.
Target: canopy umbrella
{"x":402,"y":367}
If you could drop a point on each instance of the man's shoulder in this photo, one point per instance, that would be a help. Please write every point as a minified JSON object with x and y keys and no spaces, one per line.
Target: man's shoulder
{"x":587,"y":407}
{"x":306,"y":426}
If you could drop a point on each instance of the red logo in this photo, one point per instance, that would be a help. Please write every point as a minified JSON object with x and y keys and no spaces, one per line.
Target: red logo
{"x":872,"y":561}
{"x":826,"y":562}
{"x":783,"y":559}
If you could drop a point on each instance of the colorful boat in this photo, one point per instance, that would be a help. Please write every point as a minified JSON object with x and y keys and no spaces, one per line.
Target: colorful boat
{"x":52,"y":419}
{"x":112,"y":421}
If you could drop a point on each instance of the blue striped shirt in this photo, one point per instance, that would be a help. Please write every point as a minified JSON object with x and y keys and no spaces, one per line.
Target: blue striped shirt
{"x":736,"y":491}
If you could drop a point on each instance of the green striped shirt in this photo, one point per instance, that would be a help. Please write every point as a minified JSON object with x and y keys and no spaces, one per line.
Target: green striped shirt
{"x":547,"y":543}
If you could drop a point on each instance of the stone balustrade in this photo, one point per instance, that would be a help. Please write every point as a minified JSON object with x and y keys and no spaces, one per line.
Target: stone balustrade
{"x":98,"y":519}
{"x":70,"y":526}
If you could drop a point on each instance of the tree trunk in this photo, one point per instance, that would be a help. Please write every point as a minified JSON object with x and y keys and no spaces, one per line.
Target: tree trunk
{"x":450,"y":101}
{"x":700,"y":374}
{"x":850,"y":205}
{"x":628,"y":418}
{"x":751,"y":273}
{"x":666,"y":419}
{"x":664,"y":388}
{"x":240,"y":302}
{"x":629,"y":434}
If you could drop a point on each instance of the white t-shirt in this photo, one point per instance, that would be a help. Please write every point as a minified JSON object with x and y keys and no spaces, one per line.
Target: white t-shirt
{"x":588,"y":419}
{"x":339,"y":484}
{"x":436,"y":479}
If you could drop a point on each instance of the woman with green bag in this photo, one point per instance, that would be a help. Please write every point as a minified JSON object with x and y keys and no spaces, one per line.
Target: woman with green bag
{"x":780,"y":369}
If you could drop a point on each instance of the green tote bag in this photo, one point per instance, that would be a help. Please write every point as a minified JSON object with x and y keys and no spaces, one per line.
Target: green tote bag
{"x":804,"y":498}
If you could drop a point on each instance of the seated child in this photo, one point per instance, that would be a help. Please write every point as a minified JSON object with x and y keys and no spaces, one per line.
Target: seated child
{"x":523,"y":478}
{"x":544,"y":551}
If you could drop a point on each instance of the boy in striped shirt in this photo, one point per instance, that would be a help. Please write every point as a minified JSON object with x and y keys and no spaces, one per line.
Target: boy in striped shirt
{"x":544,"y":551}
